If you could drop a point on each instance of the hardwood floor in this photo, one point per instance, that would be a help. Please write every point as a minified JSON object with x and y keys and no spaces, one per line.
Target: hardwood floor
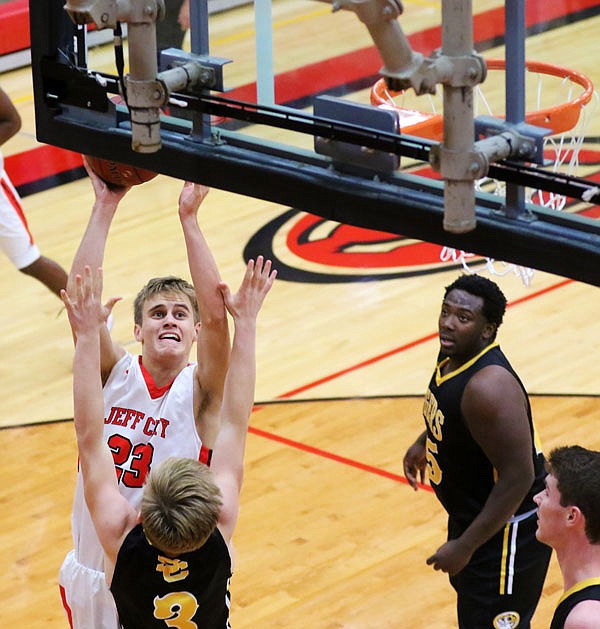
{"x":330,"y":536}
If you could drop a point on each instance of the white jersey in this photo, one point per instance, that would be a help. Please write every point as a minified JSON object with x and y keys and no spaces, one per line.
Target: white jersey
{"x":143,"y":425}
{"x":15,"y":238}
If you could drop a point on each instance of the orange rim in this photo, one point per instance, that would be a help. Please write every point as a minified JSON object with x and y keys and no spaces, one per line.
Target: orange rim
{"x":559,"y":118}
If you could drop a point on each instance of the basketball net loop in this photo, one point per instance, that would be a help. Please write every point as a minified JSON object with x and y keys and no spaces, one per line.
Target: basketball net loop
{"x":494,"y":267}
{"x":573,"y":103}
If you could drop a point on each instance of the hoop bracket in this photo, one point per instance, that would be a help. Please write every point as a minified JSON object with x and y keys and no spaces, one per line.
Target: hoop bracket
{"x":458,"y":71}
{"x":458,"y":165}
{"x":525,"y":142}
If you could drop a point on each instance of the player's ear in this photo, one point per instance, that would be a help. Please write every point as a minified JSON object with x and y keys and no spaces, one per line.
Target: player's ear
{"x":574,"y":516}
{"x":489,"y":330}
{"x":137,"y":332}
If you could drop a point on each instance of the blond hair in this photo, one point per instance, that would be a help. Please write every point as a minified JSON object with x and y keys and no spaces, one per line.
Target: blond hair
{"x":169,"y":285}
{"x":180,"y":505}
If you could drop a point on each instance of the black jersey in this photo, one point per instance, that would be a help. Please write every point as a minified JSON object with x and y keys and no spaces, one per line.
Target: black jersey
{"x":150,"y":589}
{"x":588,"y":590}
{"x":459,"y":471}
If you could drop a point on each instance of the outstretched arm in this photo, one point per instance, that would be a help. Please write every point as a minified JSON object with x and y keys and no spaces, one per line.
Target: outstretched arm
{"x":110,"y":512}
{"x":91,"y":253}
{"x":238,"y":398}
{"x":213,"y":338}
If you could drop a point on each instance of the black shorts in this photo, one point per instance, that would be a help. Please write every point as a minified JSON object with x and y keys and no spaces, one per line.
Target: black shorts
{"x":501,"y":586}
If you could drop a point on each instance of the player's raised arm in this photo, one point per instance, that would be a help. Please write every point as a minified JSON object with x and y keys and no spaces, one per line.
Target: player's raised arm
{"x":213,"y":338}
{"x":111,"y":514}
{"x":91,"y":252}
{"x":238,"y":397}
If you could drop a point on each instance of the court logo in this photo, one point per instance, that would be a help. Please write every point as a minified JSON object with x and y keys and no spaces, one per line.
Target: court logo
{"x":308,"y":248}
{"x":507,"y":620}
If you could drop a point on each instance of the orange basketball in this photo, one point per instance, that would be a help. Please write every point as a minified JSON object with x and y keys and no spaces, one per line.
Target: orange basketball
{"x":117,"y":174}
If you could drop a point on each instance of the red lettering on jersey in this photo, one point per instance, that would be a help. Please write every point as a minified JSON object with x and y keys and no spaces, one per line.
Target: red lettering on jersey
{"x":123,"y":416}
{"x":109,"y":420}
{"x":163,"y":424}
{"x":150,"y":427}
{"x":130,"y":418}
{"x":119,"y":416}
{"x":138,"y":418}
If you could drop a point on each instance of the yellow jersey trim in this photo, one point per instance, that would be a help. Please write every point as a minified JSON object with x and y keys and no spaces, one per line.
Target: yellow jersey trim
{"x":439,"y":379}
{"x":578,"y":587}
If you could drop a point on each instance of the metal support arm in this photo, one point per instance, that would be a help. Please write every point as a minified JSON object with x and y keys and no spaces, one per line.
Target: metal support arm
{"x":145,"y":94}
{"x":403,"y":67}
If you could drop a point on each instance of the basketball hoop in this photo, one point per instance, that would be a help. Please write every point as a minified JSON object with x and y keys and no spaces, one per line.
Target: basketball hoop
{"x":559,"y":118}
{"x":556,"y":98}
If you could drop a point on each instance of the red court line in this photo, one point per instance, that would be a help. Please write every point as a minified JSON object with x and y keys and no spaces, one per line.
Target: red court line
{"x":407,"y":346}
{"x":333,"y":457}
{"x":539,"y":293}
{"x":364,"y":363}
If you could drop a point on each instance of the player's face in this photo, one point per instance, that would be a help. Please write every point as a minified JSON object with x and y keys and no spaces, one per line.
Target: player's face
{"x":168,"y":327}
{"x":463,"y":329}
{"x":551,"y":515}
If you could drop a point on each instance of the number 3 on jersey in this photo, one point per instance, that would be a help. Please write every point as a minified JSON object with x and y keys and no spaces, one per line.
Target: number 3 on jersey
{"x":176,"y":609}
{"x":132,"y":462}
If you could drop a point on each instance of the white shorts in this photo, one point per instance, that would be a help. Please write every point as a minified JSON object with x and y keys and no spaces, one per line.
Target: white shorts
{"x":86,"y":598}
{"x":15,"y":239}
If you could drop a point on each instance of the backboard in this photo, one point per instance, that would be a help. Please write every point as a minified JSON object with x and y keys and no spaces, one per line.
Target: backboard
{"x":239,"y":154}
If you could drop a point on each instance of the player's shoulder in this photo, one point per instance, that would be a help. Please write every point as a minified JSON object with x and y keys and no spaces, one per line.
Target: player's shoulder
{"x":492,"y":378}
{"x":585,"y":615}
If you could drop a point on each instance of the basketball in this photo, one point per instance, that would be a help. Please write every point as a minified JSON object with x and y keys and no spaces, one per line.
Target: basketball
{"x":117,"y":174}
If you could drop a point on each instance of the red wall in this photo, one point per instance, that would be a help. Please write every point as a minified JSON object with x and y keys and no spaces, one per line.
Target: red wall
{"x":14,"y":26}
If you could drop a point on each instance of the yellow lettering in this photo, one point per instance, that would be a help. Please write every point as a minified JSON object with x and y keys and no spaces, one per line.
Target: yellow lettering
{"x":434,"y":470}
{"x":176,"y":609}
{"x":433,"y":416}
{"x":172,"y":569}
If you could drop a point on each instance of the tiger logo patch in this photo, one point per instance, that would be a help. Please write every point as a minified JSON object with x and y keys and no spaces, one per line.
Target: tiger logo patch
{"x":507,"y":620}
